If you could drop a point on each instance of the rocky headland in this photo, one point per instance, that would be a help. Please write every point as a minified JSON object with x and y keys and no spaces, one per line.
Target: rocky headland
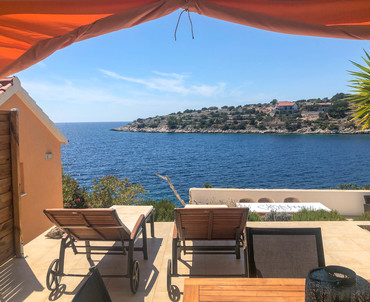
{"x":315,"y":116}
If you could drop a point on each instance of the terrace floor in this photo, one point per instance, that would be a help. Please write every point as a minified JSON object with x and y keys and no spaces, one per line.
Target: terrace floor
{"x":345,"y":244}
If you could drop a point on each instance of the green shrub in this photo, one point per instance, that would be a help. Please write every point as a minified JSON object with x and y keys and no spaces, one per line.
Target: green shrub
{"x":154,"y":125}
{"x":364,"y":217}
{"x":164,"y":209}
{"x":333,"y":127}
{"x":277,"y":216}
{"x":253,"y":216}
{"x":338,"y":109}
{"x":208,"y":185}
{"x":172,"y":122}
{"x":261,"y":126}
{"x":74,"y":196}
{"x":317,"y":215}
{"x":110,"y":190}
{"x":351,"y":187}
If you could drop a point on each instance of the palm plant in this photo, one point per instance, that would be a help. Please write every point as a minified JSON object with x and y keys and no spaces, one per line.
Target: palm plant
{"x":361,"y":96}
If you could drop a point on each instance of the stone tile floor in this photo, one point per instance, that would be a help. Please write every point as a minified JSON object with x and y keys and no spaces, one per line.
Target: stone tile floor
{"x":345,"y":243}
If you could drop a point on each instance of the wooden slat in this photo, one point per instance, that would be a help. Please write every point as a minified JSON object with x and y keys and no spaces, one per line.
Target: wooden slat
{"x":5,"y":214}
{"x":216,"y":288}
{"x":244,"y":289}
{"x":6,"y":228}
{"x":83,"y":227}
{"x":5,"y":139}
{"x":245,"y":281}
{"x":4,"y":116}
{"x":5,"y":200}
{"x":211,"y":223}
{"x":4,"y":156}
{"x":6,"y":208}
{"x":6,"y":203}
{"x":251,"y":292}
{"x":5,"y":170}
{"x":4,"y":145}
{"x":5,"y":185}
{"x":254,"y":299}
{"x":16,"y":179}
{"x":4,"y":128}
{"x":191,"y":293}
{"x":6,"y":247}
{"x":89,"y":224}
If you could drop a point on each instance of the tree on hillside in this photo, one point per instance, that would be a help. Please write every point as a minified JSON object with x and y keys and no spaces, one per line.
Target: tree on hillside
{"x":172,"y":122}
{"x":274,"y":102}
{"x":361,"y":98}
{"x":339,"y":96}
{"x":338,"y":109}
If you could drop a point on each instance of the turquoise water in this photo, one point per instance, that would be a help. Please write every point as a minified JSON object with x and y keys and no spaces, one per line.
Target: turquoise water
{"x":224,"y":160}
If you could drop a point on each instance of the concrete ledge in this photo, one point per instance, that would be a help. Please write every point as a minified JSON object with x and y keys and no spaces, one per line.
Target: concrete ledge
{"x":346,"y":202}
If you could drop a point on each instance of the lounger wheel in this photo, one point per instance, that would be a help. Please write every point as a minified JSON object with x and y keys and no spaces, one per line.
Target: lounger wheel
{"x":135,"y":276}
{"x":52,"y":277}
{"x":169,"y":274}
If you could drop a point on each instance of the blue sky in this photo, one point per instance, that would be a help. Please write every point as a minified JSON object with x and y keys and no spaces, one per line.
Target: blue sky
{"x":142,"y":71}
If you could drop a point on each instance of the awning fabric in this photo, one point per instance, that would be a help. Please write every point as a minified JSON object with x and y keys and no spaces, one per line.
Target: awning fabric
{"x":31,"y":30}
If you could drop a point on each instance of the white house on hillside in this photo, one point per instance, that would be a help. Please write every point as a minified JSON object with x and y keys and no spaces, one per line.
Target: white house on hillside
{"x":286,"y":108}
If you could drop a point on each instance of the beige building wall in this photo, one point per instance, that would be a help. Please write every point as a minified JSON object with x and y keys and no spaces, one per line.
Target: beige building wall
{"x":41,"y":178}
{"x":346,"y":202}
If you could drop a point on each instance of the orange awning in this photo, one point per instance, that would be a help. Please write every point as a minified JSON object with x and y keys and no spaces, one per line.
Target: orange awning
{"x":31,"y":30}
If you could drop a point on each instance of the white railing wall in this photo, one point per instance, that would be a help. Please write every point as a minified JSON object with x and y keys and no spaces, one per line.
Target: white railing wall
{"x":346,"y":202}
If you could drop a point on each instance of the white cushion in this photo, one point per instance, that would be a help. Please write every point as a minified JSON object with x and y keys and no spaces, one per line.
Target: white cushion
{"x":130,"y":214}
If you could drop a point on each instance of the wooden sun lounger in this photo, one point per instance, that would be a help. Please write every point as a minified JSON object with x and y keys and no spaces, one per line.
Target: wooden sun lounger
{"x":210,"y":225}
{"x":96,"y":225}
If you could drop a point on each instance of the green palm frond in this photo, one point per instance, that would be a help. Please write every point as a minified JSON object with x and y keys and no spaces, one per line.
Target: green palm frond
{"x":361,"y":98}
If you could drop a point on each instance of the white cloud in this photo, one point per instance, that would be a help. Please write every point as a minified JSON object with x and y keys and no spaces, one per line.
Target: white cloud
{"x":208,"y":90}
{"x":170,"y":82}
{"x":173,"y":75}
{"x":68,"y":91}
{"x":101,"y":98}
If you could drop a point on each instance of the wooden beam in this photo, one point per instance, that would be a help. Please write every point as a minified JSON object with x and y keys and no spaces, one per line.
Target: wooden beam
{"x":16,"y":184}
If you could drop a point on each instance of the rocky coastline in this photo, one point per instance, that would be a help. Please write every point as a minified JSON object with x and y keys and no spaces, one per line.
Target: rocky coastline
{"x":314,"y":116}
{"x":130,"y":128}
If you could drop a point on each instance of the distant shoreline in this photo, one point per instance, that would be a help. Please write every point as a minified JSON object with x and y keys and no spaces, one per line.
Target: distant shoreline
{"x":314,"y":116}
{"x":250,"y":131}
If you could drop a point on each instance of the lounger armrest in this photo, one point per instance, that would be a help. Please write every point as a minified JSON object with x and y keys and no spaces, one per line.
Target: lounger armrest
{"x":175,"y":234}
{"x":136,"y":229}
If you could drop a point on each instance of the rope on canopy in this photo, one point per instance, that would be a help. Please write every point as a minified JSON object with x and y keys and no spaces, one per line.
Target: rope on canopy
{"x":191,"y":23}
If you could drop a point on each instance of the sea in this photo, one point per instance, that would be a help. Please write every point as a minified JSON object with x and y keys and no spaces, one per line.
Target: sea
{"x":269,"y":161}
